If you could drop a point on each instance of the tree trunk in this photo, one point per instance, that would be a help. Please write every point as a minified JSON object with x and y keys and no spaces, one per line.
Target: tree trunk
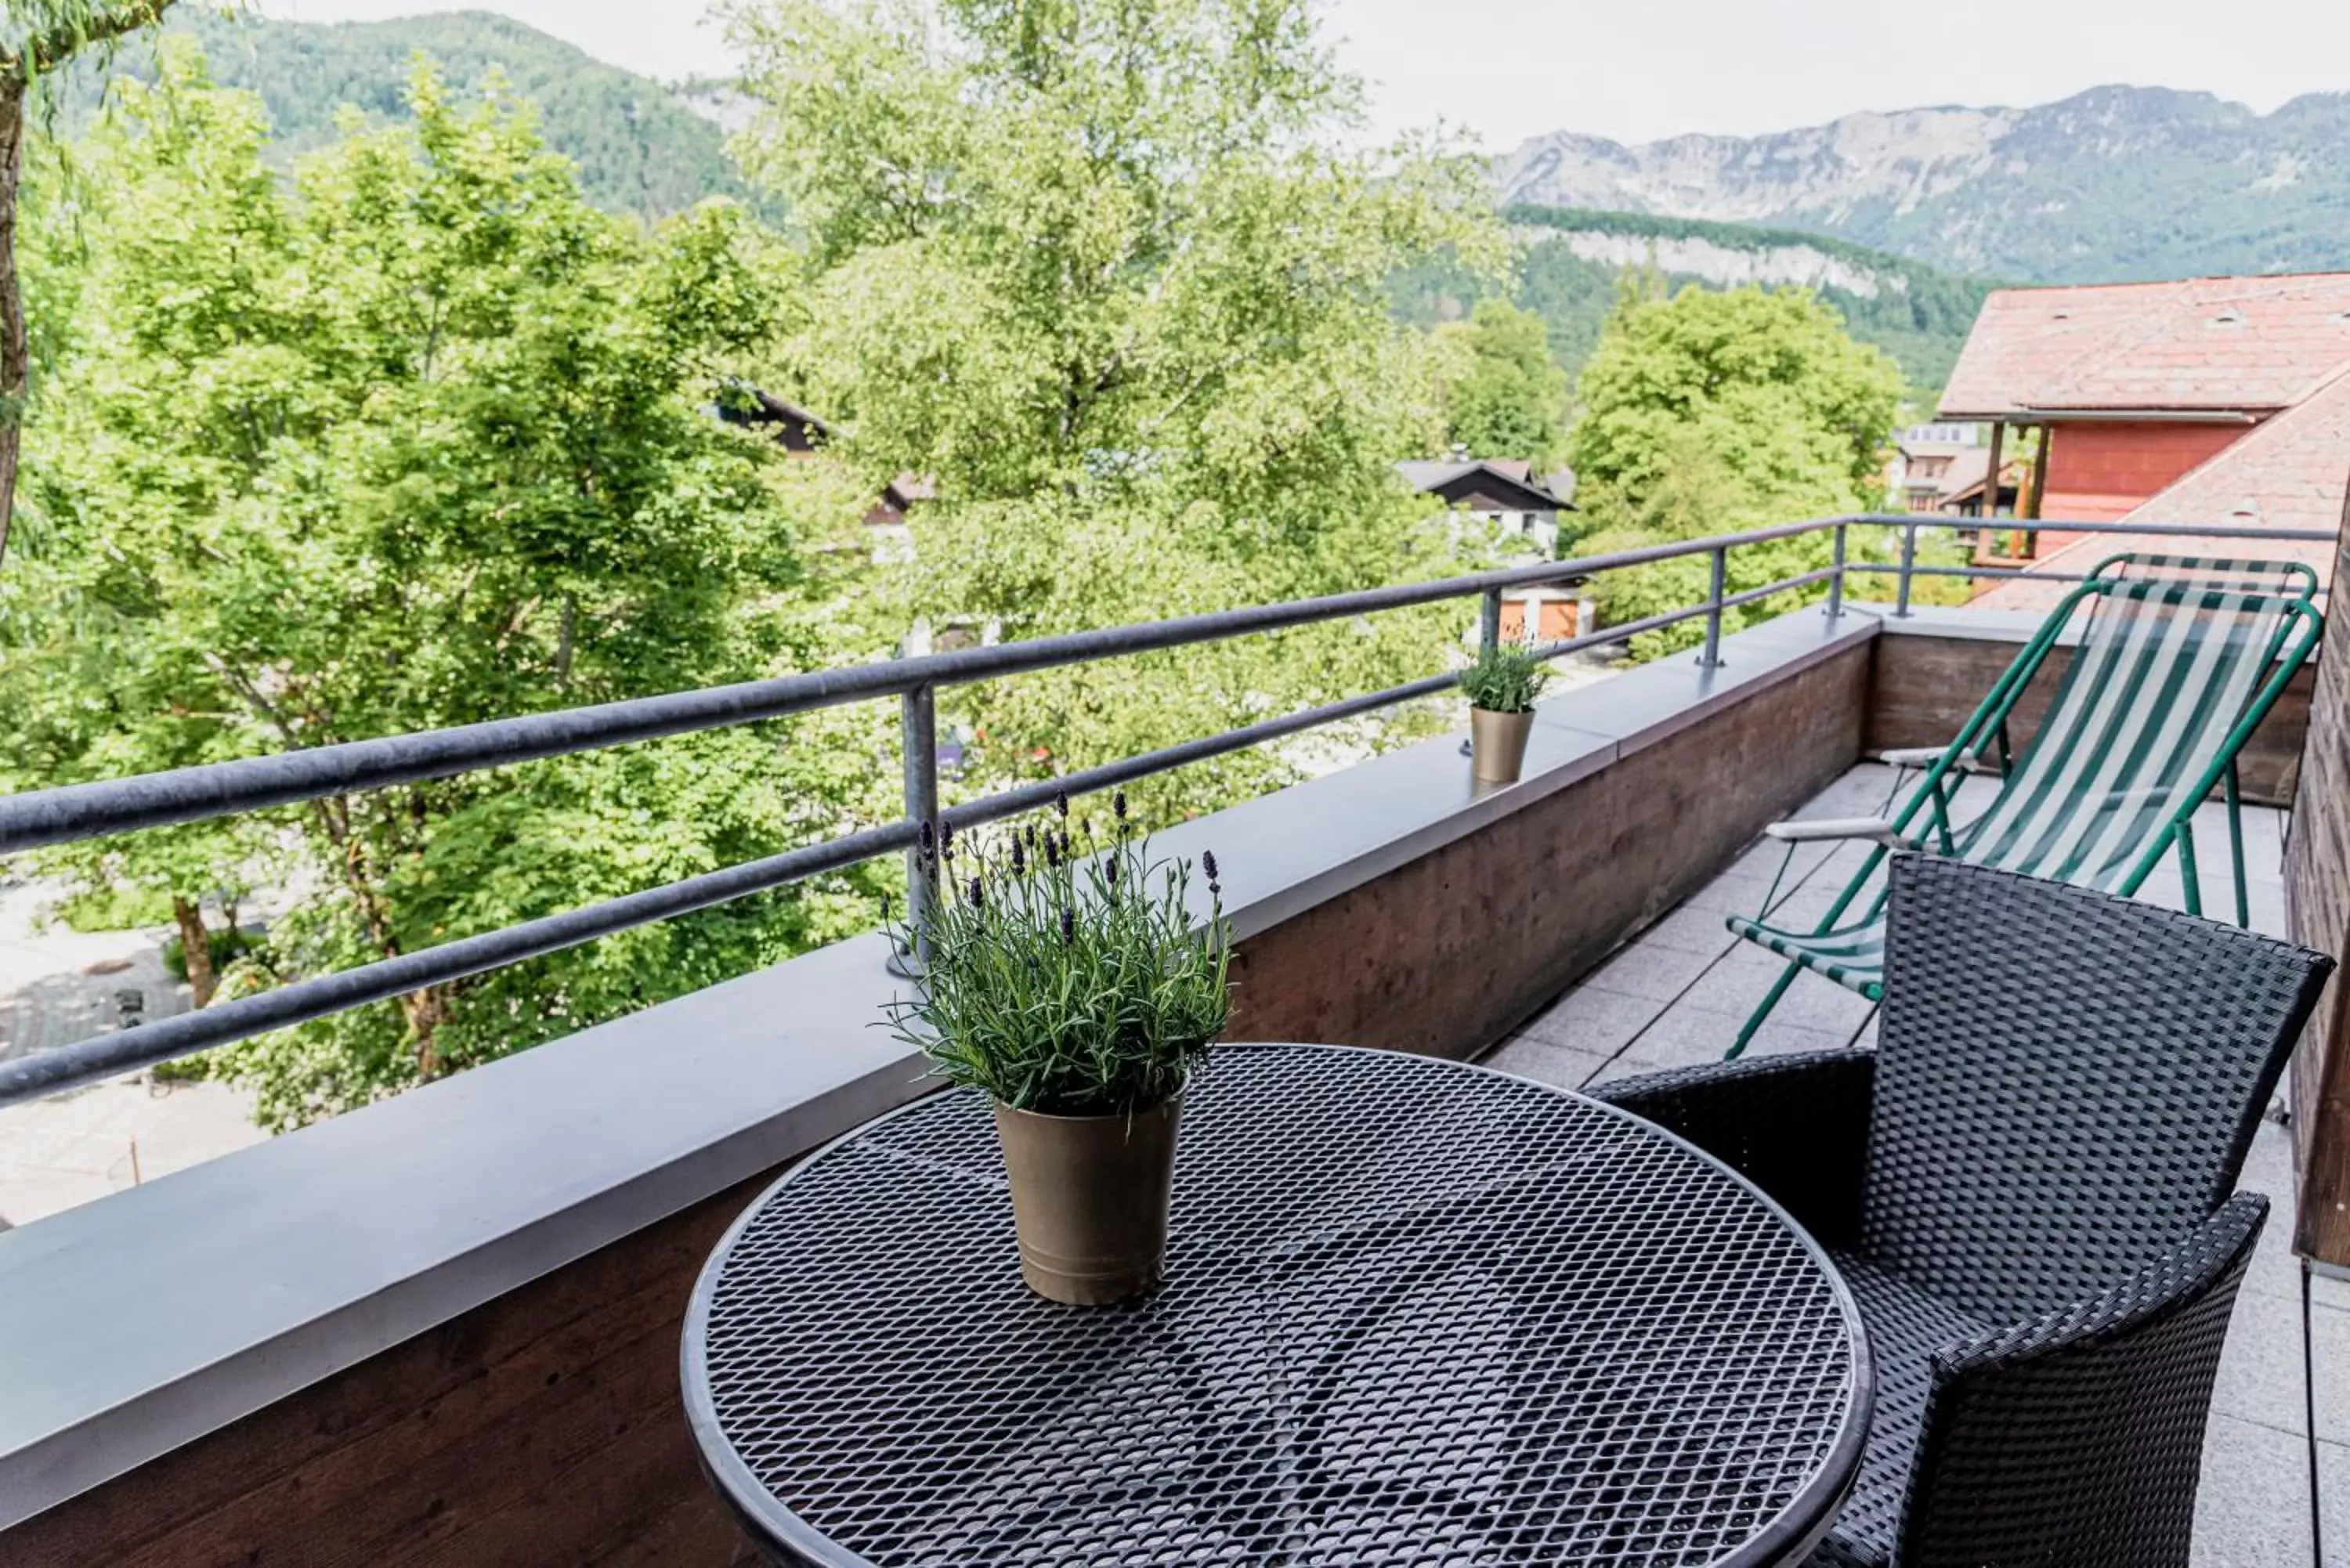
{"x":14,"y":355}
{"x":425,"y":1011}
{"x":196,"y":948}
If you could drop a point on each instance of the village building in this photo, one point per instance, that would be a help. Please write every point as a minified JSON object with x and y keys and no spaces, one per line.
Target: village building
{"x":1506,"y":494}
{"x":2220,"y":401}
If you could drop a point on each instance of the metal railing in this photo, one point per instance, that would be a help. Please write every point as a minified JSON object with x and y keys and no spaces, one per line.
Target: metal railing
{"x":78,"y":812}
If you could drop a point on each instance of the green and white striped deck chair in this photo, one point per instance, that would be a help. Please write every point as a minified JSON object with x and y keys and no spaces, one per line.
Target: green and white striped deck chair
{"x":2178,"y":659}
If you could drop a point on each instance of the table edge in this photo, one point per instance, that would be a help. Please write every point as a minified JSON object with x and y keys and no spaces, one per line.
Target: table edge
{"x":1778,"y":1544}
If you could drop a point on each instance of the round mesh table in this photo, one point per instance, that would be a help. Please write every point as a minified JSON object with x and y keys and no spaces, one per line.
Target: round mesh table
{"x":1416,"y":1313}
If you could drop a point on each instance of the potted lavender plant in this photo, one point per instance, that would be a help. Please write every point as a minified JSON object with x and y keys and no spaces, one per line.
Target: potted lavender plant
{"x":1068,"y":980}
{"x":1502,"y":688}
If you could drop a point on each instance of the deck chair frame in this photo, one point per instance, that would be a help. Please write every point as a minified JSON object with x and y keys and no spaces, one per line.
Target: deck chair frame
{"x":2192,"y":583}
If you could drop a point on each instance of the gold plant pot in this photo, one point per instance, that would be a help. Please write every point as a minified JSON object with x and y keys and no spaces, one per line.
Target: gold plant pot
{"x":1089,"y":1199}
{"x":1497,"y":744}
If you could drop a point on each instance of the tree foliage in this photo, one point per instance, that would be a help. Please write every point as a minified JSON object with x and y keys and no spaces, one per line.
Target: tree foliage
{"x":420,"y":440}
{"x":38,"y":38}
{"x":1920,"y":315}
{"x":1505,"y":395}
{"x":1104,"y":275}
{"x":1708,"y":412}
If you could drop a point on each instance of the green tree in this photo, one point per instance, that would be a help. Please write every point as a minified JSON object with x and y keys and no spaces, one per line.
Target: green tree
{"x":37,"y":39}
{"x":420,"y":440}
{"x":1504,"y":395}
{"x":1102,"y":271}
{"x":1710,"y":413}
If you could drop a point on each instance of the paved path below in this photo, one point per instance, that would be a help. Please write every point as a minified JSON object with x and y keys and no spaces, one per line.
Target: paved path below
{"x":56,"y":987}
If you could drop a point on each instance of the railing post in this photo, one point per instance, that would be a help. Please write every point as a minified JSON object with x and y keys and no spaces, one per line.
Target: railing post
{"x":1908,"y":560}
{"x":1720,"y":575}
{"x":1489,"y":621}
{"x":1836,"y":584}
{"x":918,"y":746}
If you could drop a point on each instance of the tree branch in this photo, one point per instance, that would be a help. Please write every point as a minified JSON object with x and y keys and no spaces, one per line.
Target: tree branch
{"x":53,"y":46}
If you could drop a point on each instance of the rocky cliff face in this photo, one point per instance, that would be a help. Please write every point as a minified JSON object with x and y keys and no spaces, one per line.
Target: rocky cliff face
{"x":1773,"y":264}
{"x":2115,"y":183}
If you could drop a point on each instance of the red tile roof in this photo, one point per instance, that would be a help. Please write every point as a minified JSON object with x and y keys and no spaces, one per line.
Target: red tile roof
{"x":2216,"y":343}
{"x":2292,"y":473}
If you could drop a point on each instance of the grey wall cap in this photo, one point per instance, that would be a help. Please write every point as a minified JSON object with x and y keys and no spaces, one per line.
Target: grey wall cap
{"x":140,"y":1322}
{"x":1969,"y":624}
{"x":1639,"y":707}
{"x":150,"y":1318}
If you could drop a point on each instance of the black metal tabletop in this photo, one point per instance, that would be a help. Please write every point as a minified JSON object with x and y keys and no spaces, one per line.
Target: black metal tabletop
{"x":1416,"y":1313}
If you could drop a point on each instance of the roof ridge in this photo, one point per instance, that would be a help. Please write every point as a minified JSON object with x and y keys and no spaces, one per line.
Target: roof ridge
{"x":2171,"y":282}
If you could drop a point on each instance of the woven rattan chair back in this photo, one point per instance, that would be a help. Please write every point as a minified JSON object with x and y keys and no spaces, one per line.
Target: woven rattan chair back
{"x":2066,"y":1082}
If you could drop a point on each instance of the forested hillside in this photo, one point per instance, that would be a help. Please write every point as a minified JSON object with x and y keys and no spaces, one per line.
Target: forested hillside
{"x":1572,"y":262}
{"x":640,"y":151}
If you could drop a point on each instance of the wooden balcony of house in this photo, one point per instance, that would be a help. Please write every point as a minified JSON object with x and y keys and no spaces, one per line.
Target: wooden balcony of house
{"x":2010,"y":547}
{"x":445,"y":1328}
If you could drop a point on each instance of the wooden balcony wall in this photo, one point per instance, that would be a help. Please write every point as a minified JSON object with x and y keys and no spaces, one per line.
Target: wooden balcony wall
{"x":2317,"y":911}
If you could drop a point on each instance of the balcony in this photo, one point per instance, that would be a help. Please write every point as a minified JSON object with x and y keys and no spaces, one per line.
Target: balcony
{"x":444,"y":1328}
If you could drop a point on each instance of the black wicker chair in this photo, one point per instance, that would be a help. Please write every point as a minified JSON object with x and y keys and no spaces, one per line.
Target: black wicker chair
{"x":2027,"y":1186}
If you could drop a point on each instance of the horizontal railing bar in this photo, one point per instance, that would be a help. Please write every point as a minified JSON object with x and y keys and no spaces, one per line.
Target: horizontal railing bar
{"x":93,"y":810}
{"x":73,"y":811}
{"x":1011,"y":802}
{"x":304,"y":1001}
{"x":102,"y":1056}
{"x":2001,"y":573}
{"x":1632,"y":629}
{"x":1088,"y":780}
{"x":1892,"y":568}
{"x":2059,"y":525}
{"x":1784,"y":585}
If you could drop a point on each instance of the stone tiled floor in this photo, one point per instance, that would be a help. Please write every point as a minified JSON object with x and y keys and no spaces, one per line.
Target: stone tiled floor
{"x":1675,"y":995}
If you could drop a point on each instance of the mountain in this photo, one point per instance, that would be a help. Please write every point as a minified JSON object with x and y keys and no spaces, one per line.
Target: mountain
{"x":643,"y":148}
{"x":1573,"y":259}
{"x":2118,"y":183}
{"x":646,"y":150}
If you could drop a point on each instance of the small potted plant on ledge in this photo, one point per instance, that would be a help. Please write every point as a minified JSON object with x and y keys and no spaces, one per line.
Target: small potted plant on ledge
{"x":1501,"y":687}
{"x":1069,"y":981}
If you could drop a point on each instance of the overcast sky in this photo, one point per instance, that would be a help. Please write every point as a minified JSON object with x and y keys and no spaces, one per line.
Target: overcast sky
{"x":1636,"y":69}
